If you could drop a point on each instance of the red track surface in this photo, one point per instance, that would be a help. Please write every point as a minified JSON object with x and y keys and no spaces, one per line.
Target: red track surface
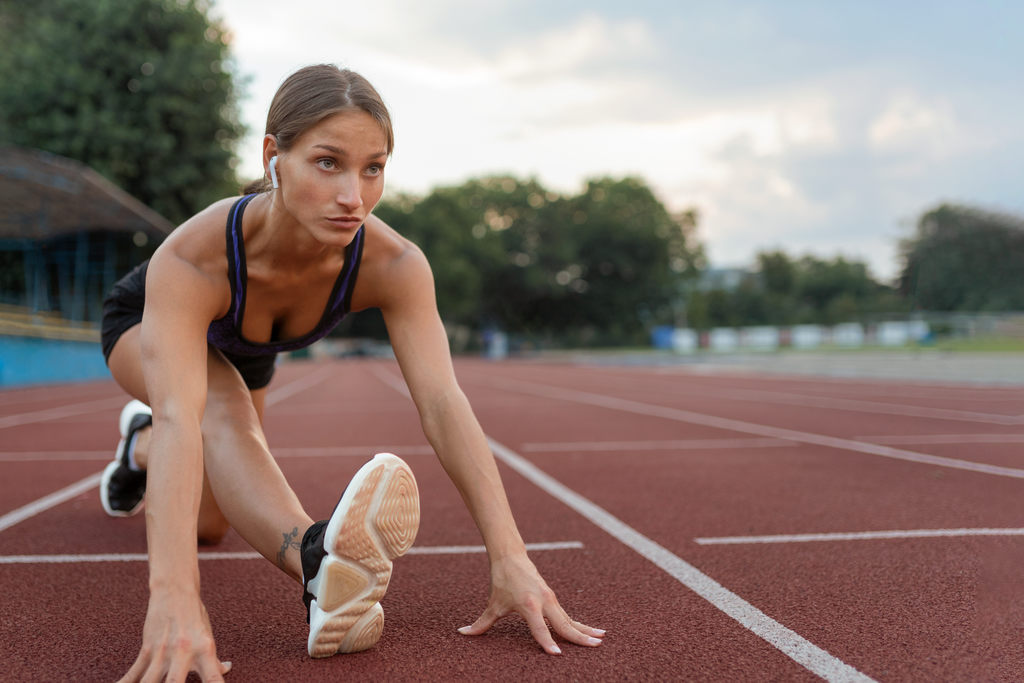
{"x":642,"y":452}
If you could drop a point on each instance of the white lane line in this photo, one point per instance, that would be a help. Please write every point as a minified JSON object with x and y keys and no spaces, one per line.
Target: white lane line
{"x":49,"y":456}
{"x":858,"y":536}
{"x":349,"y":451}
{"x":679,"y":444}
{"x":59,"y":412}
{"x":93,"y":480}
{"x":860,"y":405}
{"x":142,"y":557}
{"x":549,"y":447}
{"x":460,"y":549}
{"x":310,"y":379}
{"x":49,"y":501}
{"x":943,"y":438}
{"x":295,"y":452}
{"x":790,"y":643}
{"x":649,"y":409}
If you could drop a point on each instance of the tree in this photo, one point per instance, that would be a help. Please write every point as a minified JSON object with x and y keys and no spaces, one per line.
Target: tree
{"x":963,"y":258}
{"x":778,"y":272}
{"x":600,"y":267}
{"x":634,"y":257}
{"x":786,"y":291}
{"x":140,"y":90}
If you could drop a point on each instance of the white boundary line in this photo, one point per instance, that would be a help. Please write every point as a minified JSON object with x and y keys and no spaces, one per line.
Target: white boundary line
{"x":295,"y":452}
{"x":57,"y":497}
{"x":52,"y":500}
{"x":790,"y":643}
{"x":53,"y":456}
{"x":939,"y":439}
{"x":679,"y":415}
{"x":678,"y":444}
{"x":142,"y":557}
{"x":59,"y":412}
{"x":551,"y":447}
{"x":310,"y":379}
{"x":862,"y":406}
{"x":858,"y":536}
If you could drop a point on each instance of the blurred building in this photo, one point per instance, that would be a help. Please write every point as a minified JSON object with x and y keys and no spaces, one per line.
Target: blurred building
{"x":66,"y":235}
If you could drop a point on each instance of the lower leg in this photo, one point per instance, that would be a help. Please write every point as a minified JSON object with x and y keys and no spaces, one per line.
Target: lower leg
{"x":212,"y":524}
{"x":242,"y":484}
{"x":245,"y":483}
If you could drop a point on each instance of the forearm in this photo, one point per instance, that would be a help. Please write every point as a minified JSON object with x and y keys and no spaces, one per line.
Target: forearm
{"x":462,"y":448}
{"x":174,"y":487}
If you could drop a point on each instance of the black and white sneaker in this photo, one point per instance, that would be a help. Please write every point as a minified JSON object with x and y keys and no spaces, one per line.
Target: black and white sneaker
{"x":123,"y":489}
{"x":346,"y":560}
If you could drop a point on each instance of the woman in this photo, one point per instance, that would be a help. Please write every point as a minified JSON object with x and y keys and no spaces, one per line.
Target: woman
{"x":219,"y":303}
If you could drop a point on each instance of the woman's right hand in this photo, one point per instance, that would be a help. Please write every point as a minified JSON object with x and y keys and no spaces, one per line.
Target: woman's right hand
{"x":176,"y":639}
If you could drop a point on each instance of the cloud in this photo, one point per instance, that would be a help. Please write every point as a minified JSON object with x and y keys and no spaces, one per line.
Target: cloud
{"x":795,"y":125}
{"x":908,"y":123}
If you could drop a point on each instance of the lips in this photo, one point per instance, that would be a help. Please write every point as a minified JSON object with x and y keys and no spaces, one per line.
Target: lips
{"x":346,"y":221}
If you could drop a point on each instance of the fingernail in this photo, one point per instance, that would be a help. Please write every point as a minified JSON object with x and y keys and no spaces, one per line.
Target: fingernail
{"x":594,"y":641}
{"x":555,"y":650}
{"x":226,"y":665}
{"x":464,"y":630}
{"x":600,"y":630}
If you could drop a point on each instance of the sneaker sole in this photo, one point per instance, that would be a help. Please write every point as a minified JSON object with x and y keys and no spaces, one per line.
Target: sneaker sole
{"x":123,"y":422}
{"x":375,"y":522}
{"x":108,"y":472}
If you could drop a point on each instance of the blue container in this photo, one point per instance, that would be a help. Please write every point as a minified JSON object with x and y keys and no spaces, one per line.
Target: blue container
{"x":661,"y":337}
{"x":30,"y":360}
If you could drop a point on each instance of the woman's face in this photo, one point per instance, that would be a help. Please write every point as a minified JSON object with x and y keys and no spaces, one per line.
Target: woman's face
{"x":333,"y":175}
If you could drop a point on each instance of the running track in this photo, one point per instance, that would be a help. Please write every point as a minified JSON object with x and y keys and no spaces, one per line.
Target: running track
{"x":720,"y":527}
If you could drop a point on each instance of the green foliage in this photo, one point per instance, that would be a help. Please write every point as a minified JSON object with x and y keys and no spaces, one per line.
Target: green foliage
{"x":601,"y":267}
{"x":140,"y":90}
{"x":784,"y":291}
{"x":964,"y":259}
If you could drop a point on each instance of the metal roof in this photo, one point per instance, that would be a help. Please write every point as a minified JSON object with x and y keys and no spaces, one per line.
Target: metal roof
{"x":44,"y":195}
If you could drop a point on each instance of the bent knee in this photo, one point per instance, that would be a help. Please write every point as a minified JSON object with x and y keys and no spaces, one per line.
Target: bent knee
{"x":212,"y":531}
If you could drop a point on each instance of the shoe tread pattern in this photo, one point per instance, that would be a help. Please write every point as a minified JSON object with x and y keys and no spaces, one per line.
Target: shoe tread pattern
{"x":379,"y":525}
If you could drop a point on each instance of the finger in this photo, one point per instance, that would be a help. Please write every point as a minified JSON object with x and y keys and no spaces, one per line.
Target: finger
{"x":135,"y":672}
{"x":155,"y":670}
{"x":539,"y":629}
{"x":211,"y":670}
{"x":590,"y":630}
{"x":481,"y":625}
{"x":178,"y":671}
{"x":583,"y":628}
{"x":568,"y":629}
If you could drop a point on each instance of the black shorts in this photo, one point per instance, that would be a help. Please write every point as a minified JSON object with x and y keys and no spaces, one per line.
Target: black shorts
{"x":122,"y":310}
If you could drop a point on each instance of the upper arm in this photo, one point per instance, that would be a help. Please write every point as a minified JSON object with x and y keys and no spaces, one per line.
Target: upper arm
{"x":181,"y":301}
{"x":417,"y":335}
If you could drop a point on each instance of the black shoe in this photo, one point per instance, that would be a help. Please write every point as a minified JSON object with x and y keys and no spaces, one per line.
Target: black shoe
{"x":346,"y":560}
{"x":123,"y":489}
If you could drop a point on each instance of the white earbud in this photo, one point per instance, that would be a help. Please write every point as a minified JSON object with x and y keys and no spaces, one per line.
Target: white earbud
{"x":273,"y":172}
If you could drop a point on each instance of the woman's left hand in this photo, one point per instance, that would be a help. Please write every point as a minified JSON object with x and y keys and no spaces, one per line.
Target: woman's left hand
{"x":516,"y":586}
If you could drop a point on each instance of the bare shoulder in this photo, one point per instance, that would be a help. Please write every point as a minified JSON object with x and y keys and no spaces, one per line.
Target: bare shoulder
{"x":192,"y":261}
{"x":194,"y":239}
{"x":386,"y":247}
{"x":392,"y":267}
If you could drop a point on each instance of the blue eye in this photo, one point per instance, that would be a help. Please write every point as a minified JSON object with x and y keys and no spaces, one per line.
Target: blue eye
{"x":326,"y":164}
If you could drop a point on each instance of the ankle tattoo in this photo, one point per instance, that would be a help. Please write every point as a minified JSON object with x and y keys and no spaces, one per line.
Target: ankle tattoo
{"x":291,"y":540}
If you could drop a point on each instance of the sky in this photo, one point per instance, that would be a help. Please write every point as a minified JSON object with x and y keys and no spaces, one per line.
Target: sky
{"x":823,"y":128}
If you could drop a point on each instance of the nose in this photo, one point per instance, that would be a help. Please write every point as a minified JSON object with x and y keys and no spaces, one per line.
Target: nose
{"x":349,"y":192}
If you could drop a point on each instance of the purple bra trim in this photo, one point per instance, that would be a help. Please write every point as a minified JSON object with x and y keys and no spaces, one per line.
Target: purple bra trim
{"x":225,"y":333}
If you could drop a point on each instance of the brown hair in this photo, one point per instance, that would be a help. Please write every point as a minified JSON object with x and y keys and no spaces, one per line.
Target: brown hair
{"x":314,"y":93}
